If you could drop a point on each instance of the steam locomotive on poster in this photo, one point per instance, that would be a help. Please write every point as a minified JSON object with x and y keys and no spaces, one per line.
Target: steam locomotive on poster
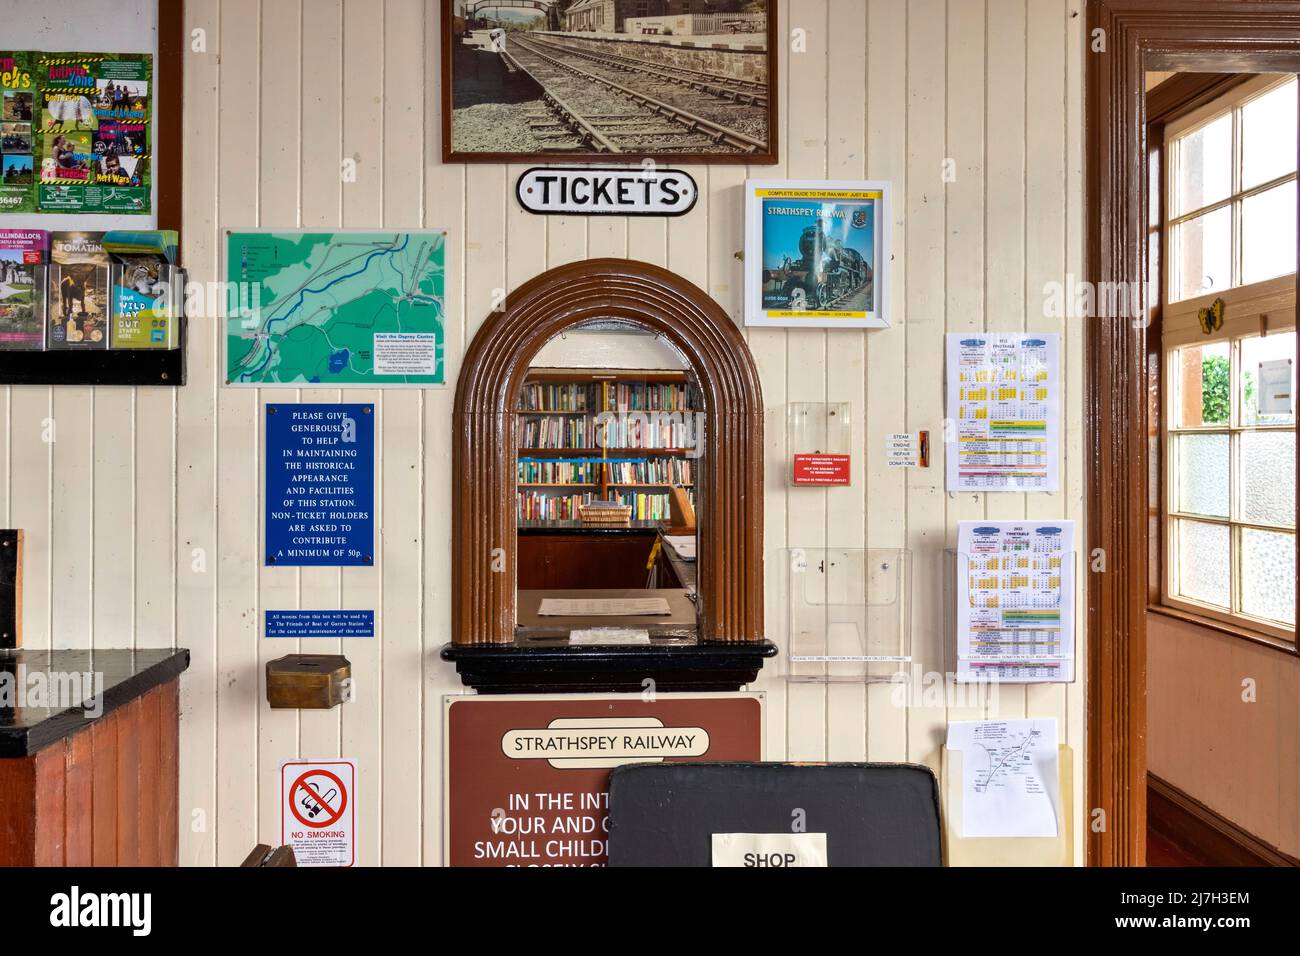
{"x":825,"y":272}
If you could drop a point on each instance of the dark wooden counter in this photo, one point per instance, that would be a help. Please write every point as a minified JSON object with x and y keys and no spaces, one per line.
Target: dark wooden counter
{"x":538,"y":527}
{"x":81,"y":786}
{"x":564,"y":555}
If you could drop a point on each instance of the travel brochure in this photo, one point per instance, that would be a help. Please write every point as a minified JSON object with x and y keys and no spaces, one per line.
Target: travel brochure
{"x":76,"y":132}
{"x":88,"y":290}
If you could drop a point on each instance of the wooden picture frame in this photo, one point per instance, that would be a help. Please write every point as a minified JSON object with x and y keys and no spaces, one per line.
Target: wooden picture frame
{"x":715,"y":119}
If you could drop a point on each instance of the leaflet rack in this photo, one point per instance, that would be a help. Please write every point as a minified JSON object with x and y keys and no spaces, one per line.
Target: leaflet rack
{"x":847,"y":613}
{"x":100,"y":366}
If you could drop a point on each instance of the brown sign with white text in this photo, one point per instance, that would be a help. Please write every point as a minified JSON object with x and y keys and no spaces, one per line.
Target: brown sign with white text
{"x":526,"y":777}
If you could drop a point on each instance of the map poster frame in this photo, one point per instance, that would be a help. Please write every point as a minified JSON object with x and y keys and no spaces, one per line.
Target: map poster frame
{"x":243,"y":306}
{"x":817,"y":253}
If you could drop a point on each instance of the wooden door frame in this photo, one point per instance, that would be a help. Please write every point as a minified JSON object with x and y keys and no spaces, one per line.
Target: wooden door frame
{"x":1125,"y":39}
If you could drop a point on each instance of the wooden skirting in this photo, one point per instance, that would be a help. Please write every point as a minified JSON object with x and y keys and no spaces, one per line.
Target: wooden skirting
{"x":1211,"y":838}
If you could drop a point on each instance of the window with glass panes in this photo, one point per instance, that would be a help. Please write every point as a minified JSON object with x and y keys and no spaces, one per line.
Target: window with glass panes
{"x":1230,"y":436}
{"x":1232,"y":191}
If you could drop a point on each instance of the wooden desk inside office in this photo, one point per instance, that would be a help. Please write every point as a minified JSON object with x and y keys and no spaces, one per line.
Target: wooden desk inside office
{"x":568,"y":555}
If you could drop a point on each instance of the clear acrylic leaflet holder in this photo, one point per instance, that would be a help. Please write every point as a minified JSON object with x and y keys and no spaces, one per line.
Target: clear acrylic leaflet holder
{"x":847,"y":613}
{"x":820,"y":438}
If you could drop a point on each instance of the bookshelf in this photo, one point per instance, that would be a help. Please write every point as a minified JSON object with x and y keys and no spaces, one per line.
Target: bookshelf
{"x":626,"y":435}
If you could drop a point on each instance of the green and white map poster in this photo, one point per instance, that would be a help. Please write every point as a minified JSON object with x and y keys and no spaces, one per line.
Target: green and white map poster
{"x":337,"y":309}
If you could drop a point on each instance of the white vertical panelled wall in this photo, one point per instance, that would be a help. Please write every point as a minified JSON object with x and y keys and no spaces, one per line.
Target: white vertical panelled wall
{"x":143,"y":515}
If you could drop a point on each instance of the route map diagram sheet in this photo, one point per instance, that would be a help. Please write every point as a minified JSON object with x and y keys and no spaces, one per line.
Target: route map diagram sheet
{"x":1015,"y":601}
{"x":1011,"y":784}
{"x":336,"y":309}
{"x":1004,"y":396}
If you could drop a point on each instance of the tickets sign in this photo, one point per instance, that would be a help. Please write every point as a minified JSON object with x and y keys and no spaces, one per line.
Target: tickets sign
{"x":623,"y":191}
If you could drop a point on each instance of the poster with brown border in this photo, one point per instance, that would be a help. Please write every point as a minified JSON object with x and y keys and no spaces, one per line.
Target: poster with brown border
{"x":683,"y":81}
{"x":525,"y":777}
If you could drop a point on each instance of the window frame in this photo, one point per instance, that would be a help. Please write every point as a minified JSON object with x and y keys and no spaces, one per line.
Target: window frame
{"x":1261,"y":308}
{"x":1231,"y":104}
{"x":1247,"y":325}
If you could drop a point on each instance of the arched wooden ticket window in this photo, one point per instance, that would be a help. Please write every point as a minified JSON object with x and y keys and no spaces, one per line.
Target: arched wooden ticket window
{"x":730,"y":539}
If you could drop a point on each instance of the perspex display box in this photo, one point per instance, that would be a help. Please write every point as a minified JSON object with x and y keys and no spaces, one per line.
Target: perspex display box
{"x":820,"y":438}
{"x":846,"y":613}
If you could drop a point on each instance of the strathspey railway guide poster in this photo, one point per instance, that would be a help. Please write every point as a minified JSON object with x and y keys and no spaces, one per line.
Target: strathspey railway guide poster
{"x":77,"y":132}
{"x":337,"y":309}
{"x":816,"y":254}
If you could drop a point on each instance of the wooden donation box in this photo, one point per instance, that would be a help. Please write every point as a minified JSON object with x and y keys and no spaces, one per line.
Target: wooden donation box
{"x":89,"y":768}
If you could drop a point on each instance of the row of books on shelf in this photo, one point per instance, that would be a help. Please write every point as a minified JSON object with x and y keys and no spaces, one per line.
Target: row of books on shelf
{"x":543,"y":506}
{"x":559,"y":432}
{"x":565,"y":397}
{"x":89,"y":290}
{"x":606,"y":431}
{"x":632,"y":432}
{"x":652,"y":397}
{"x":537,"y":506}
{"x":650,"y":471}
{"x":647,"y":507}
{"x":616,"y":396}
{"x":585,"y":471}
{"x":630,"y":471}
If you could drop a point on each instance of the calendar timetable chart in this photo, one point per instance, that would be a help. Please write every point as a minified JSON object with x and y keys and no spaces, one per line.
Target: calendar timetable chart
{"x":1015,"y":601}
{"x":1004,"y":400}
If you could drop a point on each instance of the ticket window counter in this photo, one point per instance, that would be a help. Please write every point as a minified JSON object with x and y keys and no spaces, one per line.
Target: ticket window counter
{"x":625,"y":387}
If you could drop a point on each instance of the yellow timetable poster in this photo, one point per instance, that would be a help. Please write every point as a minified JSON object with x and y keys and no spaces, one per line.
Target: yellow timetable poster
{"x":1004,"y":402}
{"x":1015,"y":601}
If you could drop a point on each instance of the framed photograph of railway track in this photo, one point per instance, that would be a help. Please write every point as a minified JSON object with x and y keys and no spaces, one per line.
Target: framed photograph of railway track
{"x":681,"y":81}
{"x":817,"y":254}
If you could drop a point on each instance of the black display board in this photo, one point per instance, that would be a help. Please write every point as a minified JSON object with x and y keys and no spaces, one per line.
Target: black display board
{"x":11,"y":579}
{"x":164,"y":367}
{"x":872,"y":814}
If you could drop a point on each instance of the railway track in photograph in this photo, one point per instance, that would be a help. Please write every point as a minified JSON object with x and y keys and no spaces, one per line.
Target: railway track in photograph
{"x":591,"y":107}
{"x":746,"y":92}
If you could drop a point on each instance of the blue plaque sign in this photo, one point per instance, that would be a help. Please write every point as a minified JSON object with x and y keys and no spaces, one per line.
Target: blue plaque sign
{"x":320,"y":623}
{"x":320,"y":484}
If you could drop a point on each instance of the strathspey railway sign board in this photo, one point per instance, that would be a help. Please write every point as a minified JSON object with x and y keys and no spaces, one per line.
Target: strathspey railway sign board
{"x":606,"y":191}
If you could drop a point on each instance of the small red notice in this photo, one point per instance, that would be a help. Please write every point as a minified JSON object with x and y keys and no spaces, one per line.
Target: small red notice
{"x":821,"y":469}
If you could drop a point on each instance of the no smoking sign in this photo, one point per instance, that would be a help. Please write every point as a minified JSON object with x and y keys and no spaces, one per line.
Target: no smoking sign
{"x":317,"y":810}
